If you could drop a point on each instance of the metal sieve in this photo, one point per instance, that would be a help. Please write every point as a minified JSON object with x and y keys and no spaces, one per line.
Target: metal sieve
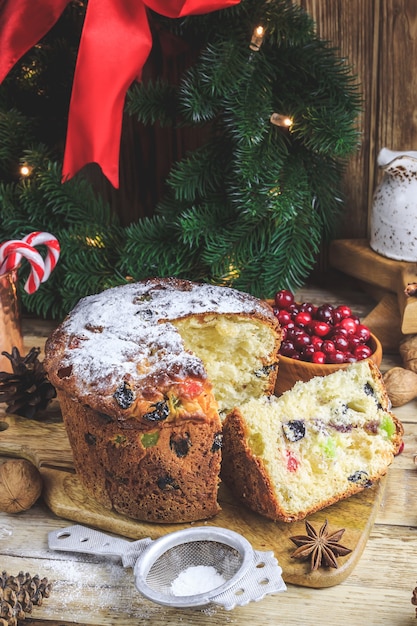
{"x":249,"y":575}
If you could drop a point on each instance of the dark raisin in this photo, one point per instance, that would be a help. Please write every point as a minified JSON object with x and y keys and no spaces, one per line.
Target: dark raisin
{"x":265,"y":370}
{"x":105,"y":418}
{"x":64,"y":372}
{"x":360,"y":477}
{"x":217,"y":442}
{"x":372,"y":427}
{"x":341,"y":427}
{"x":368,"y":389}
{"x":146,"y":315}
{"x":294,"y":430}
{"x":166,"y":483}
{"x":124,"y":396}
{"x":90,"y":439}
{"x":180,"y":444}
{"x":159,"y":414}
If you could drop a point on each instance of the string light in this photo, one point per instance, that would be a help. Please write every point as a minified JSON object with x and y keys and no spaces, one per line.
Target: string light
{"x":25,"y":170}
{"x":257,"y":38}
{"x":281,"y":120}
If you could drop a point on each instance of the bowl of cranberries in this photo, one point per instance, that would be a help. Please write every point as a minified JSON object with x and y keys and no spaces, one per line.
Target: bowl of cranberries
{"x":318,"y":340}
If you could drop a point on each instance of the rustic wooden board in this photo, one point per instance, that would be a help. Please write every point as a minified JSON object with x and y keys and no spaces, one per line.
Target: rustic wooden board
{"x":356,"y":258}
{"x":47,"y":446}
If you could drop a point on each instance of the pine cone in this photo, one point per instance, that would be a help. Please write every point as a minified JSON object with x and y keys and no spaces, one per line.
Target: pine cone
{"x":19,"y":594}
{"x":27,"y":390}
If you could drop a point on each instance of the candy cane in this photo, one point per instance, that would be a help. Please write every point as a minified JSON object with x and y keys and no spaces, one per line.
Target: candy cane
{"x":38,"y":238}
{"x":12,"y":251}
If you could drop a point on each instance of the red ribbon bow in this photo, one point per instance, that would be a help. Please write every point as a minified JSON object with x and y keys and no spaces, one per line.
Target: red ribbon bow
{"x":115,"y":43}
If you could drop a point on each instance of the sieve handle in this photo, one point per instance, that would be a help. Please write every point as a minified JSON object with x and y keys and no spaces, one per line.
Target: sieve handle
{"x":79,"y":538}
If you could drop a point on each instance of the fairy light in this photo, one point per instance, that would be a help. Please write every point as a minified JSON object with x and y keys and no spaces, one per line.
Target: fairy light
{"x":257,"y":38}
{"x":284,"y":121}
{"x":25,"y":171}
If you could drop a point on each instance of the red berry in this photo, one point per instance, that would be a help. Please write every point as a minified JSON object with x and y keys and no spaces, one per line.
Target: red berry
{"x":303,"y":318}
{"x":283,"y":298}
{"x":363,"y":333}
{"x":341,"y":343}
{"x":316,"y":342}
{"x":301,"y":340}
{"x":287,"y":348}
{"x":308,"y":307}
{"x":284,"y":317}
{"x":362,"y":352}
{"x":328,"y":346}
{"x":324,"y":313}
{"x":349,"y":324}
{"x":344,"y":310}
{"x":307,"y":352}
{"x":318,"y":357}
{"x":336,"y":357}
{"x":321,"y":329}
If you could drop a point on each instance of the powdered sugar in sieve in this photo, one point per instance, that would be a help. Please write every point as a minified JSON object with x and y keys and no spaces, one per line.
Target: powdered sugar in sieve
{"x":222,"y":565}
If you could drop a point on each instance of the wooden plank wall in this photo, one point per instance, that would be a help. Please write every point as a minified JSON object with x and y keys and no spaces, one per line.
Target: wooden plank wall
{"x":378,"y":38}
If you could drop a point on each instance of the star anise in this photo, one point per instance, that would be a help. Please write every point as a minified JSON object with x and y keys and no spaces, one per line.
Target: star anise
{"x":321,"y":547}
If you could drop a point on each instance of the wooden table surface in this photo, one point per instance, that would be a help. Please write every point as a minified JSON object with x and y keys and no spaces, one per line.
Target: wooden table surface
{"x":95,"y":591}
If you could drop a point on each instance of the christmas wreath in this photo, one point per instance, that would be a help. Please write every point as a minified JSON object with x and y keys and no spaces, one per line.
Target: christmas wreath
{"x":249,"y":208}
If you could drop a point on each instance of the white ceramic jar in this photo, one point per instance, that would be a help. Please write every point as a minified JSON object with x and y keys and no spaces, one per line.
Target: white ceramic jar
{"x":393,"y":228}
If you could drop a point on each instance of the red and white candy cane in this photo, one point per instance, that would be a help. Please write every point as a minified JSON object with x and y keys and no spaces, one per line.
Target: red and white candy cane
{"x":38,"y":238}
{"x":12,"y":251}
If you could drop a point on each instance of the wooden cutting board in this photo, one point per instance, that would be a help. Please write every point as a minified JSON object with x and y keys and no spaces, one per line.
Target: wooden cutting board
{"x":47,"y":446}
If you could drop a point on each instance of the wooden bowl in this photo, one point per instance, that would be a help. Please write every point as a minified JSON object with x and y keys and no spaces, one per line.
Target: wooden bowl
{"x":291,"y":370}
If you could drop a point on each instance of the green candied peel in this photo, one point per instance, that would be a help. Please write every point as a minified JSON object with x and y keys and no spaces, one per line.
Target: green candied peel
{"x":387,"y":424}
{"x":119,"y":440}
{"x":150,"y":439}
{"x":329,"y":447}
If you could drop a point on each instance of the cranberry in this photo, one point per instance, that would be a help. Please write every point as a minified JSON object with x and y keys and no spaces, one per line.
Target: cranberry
{"x":283,"y":298}
{"x":350,"y":358}
{"x":293,"y":309}
{"x":303,"y":318}
{"x":341,"y":343}
{"x":324,"y":313}
{"x":336,"y":357}
{"x":363,"y":333}
{"x":287,"y":348}
{"x":354,"y":342}
{"x":349,"y":324}
{"x":337,"y":331}
{"x":316,"y":342}
{"x":318,"y":357}
{"x":362,"y":352}
{"x":308,"y":307}
{"x":301,"y":340}
{"x":307,"y":352}
{"x":344,"y":311}
{"x":321,"y":329}
{"x":336,"y":317}
{"x":284,"y":317}
{"x":328,"y":346}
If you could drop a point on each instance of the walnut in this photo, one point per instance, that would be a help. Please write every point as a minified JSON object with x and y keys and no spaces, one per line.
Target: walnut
{"x":20,"y":485}
{"x":401,"y":385}
{"x":408,"y":351}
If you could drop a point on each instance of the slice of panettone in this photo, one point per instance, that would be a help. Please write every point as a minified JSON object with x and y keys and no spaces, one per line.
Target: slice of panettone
{"x":320,"y":442}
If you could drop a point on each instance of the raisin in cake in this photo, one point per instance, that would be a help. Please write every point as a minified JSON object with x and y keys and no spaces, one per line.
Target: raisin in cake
{"x":143,"y":372}
{"x":319,"y":442}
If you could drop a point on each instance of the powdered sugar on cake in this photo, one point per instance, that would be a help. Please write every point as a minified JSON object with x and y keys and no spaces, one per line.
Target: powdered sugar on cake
{"x":125,"y":332}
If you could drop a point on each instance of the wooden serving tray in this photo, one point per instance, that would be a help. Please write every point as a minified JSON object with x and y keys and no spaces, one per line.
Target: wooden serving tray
{"x":46,"y":445}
